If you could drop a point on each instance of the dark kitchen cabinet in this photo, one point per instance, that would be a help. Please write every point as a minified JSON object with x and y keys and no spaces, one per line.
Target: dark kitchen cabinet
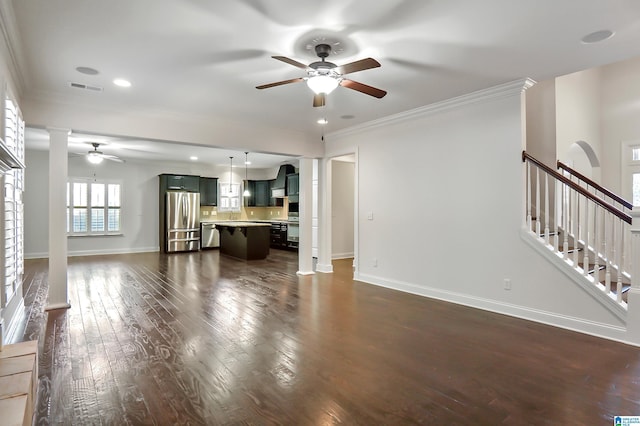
{"x":293,"y":187}
{"x":169,"y":182}
{"x":208,"y":191}
{"x":260,"y":193}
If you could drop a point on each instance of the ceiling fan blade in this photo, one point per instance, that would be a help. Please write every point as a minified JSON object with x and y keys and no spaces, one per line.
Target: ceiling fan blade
{"x":319,"y":100}
{"x":361,"y":65}
{"x":369,"y":90}
{"x":280,"y":83}
{"x":290,"y":62}
{"x":112,"y":158}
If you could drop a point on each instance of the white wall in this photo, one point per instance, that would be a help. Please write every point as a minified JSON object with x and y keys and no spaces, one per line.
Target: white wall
{"x":621,"y":116}
{"x":579,"y":118}
{"x":140,"y":202}
{"x":541,"y":121}
{"x":445,"y":185}
{"x":342,"y":201}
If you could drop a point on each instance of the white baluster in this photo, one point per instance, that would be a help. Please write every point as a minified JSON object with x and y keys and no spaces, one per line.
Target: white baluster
{"x":585,"y":264}
{"x":619,"y":291}
{"x":565,"y":217}
{"x":546,"y":208}
{"x":529,"y":188}
{"x":538,"y":223}
{"x":626,"y":248}
{"x":615,"y":258}
{"x":608,"y":242}
{"x":596,"y":245}
{"x":556,"y":215}
{"x":575,"y":226}
{"x":621,"y":259}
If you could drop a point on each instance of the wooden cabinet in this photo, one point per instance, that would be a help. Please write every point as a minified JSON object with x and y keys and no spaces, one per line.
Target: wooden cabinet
{"x":260,"y":193}
{"x":208,"y":191}
{"x":293,"y":187}
{"x":169,"y":182}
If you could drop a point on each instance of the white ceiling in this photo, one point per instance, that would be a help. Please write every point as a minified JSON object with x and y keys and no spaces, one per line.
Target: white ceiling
{"x":205,"y":57}
{"x":151,"y":150}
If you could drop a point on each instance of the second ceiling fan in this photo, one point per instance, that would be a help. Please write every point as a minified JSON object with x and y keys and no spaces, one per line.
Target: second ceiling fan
{"x":323,"y":76}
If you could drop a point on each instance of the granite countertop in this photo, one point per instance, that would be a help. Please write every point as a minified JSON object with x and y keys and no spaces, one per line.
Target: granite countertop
{"x":239,"y":224}
{"x":262,"y":221}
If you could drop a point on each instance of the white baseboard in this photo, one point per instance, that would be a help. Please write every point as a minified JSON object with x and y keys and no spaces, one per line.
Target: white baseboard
{"x":336,"y":256}
{"x":95,"y":252}
{"x":324,"y":268}
{"x":603,"y":330}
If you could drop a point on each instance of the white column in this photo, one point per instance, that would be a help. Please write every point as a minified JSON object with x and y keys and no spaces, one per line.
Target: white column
{"x":633,"y":297}
{"x":314,"y":216}
{"x":58,"y":140}
{"x":324,"y":216}
{"x":305,"y":248}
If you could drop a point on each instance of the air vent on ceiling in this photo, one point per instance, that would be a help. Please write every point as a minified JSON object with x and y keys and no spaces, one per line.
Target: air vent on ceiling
{"x":85,"y":87}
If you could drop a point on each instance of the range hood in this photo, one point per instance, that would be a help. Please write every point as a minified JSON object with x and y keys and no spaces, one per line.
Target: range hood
{"x":8,"y":161}
{"x":279,"y":188}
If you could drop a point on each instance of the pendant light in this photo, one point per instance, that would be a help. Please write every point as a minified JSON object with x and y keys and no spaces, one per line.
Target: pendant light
{"x":230,"y":174}
{"x":246,"y":192}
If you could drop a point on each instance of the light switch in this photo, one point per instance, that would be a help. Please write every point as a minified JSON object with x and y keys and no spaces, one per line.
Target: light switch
{"x":370,"y":216}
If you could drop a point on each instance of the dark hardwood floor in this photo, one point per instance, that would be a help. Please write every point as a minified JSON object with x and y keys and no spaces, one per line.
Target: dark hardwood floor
{"x":200,"y":338}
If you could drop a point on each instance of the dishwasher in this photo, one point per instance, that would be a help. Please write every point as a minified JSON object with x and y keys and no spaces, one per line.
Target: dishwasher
{"x":209,"y":236}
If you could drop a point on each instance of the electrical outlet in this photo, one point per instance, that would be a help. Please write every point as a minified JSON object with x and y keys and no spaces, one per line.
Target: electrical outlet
{"x":507,"y":284}
{"x":270,"y":213}
{"x":214,"y":213}
{"x":251,"y":212}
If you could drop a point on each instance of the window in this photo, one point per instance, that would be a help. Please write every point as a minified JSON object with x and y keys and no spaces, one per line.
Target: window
{"x":635,"y":154}
{"x":229,"y":197}
{"x":636,"y":189}
{"x":12,"y":215}
{"x":93,"y":207}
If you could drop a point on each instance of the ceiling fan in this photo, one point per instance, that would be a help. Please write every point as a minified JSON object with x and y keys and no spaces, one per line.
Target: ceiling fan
{"x":323,"y":76}
{"x":96,"y":157}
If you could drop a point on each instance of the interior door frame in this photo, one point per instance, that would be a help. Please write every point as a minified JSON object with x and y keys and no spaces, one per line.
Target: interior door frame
{"x":628,"y":168}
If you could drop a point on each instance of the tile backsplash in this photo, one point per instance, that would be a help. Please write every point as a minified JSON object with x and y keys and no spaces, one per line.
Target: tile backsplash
{"x":208,"y":213}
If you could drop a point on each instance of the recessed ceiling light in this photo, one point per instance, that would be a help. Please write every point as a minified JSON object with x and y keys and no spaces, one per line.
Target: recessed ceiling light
{"x":122,"y":82}
{"x":193,"y":158}
{"x":323,"y":121}
{"x":597,"y":36}
{"x":347,"y":116}
{"x":87,"y":70}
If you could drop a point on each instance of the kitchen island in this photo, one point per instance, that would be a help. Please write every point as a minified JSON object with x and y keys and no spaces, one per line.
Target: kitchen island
{"x":245,"y":240}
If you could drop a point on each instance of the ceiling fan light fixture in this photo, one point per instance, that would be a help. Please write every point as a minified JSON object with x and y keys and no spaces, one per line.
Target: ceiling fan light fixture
{"x":322,"y":84}
{"x":94,"y":158}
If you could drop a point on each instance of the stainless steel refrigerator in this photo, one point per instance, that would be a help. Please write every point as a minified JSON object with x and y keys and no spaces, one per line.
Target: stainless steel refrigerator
{"x":183,"y":221}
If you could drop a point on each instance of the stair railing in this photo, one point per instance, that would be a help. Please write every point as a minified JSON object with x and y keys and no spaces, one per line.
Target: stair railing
{"x":588,"y":231}
{"x":595,"y":187}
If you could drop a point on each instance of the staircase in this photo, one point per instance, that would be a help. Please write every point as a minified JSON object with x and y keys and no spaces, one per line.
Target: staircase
{"x":585,"y":226}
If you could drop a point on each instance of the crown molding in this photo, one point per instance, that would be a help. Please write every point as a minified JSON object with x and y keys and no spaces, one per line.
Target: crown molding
{"x":12,"y":45}
{"x":512,"y":88}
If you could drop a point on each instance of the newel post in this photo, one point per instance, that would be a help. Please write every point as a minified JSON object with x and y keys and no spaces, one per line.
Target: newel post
{"x":633,"y":298}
